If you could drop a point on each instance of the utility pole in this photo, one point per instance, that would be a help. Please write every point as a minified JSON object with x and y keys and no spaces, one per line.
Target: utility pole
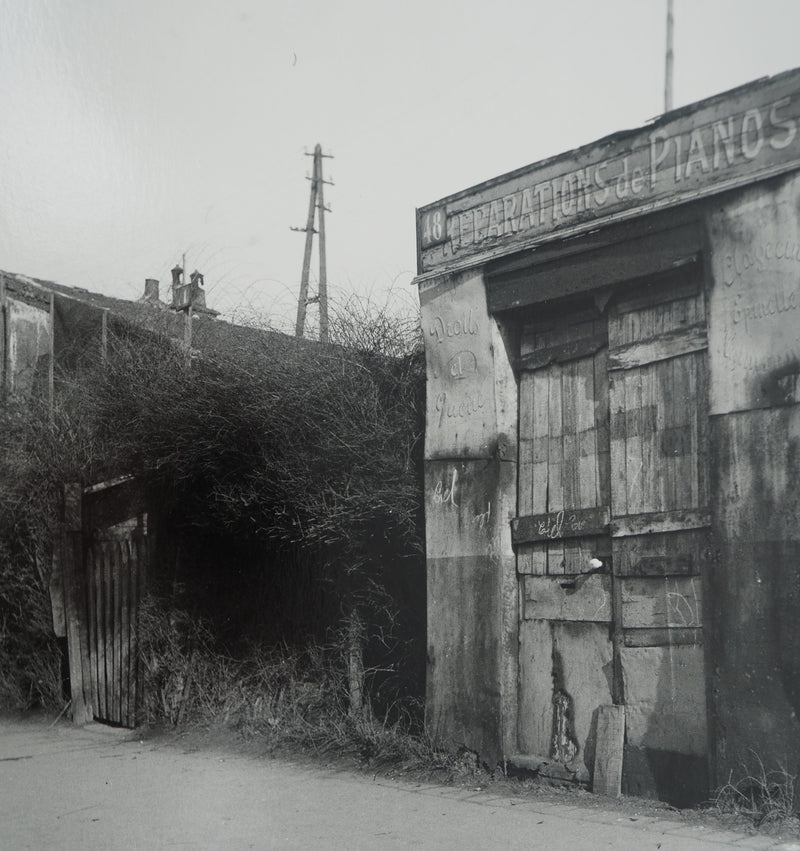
{"x":316,"y":204}
{"x":669,"y":58}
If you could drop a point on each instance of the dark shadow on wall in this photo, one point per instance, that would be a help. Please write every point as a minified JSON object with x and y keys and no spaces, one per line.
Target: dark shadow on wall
{"x":679,"y":779}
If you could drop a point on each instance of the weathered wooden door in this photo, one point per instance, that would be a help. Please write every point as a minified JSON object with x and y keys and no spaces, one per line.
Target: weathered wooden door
{"x":116,"y":566}
{"x":105,"y":569}
{"x":612,"y":521}
{"x":562,"y":532}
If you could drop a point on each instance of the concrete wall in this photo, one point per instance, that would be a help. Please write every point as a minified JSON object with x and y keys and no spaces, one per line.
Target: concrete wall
{"x":753,"y":598}
{"x":470,"y":498}
{"x":26,"y":359}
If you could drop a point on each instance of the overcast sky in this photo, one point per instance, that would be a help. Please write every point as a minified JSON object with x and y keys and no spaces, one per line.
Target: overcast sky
{"x":132,"y":132}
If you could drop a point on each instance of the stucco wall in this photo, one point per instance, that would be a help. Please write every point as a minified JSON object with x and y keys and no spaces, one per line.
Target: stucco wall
{"x":470,"y":483}
{"x":753,"y":599}
{"x":27,"y":345}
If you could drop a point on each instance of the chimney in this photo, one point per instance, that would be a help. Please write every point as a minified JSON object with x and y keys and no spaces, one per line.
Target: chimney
{"x":151,"y":290}
{"x":198,"y":294}
{"x":177,"y":285}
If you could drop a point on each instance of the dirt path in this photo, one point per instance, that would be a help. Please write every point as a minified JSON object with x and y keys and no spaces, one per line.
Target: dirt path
{"x":98,"y":788}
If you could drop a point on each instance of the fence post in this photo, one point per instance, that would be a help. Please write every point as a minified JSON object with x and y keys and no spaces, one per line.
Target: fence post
{"x":355,"y":664}
{"x":75,"y":604}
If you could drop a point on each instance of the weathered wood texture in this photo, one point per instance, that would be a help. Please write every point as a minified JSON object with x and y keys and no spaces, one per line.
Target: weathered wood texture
{"x":659,"y":413}
{"x":669,"y":601}
{"x":607,"y":777}
{"x":659,"y":449}
{"x":723,"y":142}
{"x":657,"y":522}
{"x":560,"y":525}
{"x":567,"y":598}
{"x":564,"y":677}
{"x":563,"y":455}
{"x":116,"y":563}
{"x":641,"y":255}
{"x":74,"y":605}
{"x":104,"y":574}
{"x":616,"y":438}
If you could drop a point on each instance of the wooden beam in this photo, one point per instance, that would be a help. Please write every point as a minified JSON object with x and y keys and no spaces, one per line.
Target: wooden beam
{"x":672,"y":601}
{"x":560,"y":525}
{"x":586,"y":597}
{"x":663,"y":636}
{"x":617,"y":178}
{"x":651,"y":254}
{"x":671,"y":344}
{"x":607,"y":778}
{"x":74,"y":605}
{"x":660,"y":521}
{"x":563,"y":353}
{"x":674,"y":564}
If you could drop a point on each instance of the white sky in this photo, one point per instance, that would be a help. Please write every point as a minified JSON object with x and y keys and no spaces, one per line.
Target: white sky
{"x":131,"y":132}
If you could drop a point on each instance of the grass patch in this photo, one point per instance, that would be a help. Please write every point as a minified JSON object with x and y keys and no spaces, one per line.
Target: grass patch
{"x":280,"y":699}
{"x":762,"y":797}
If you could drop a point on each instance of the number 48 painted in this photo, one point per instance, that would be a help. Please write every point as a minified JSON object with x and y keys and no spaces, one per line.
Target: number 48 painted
{"x":433,"y":227}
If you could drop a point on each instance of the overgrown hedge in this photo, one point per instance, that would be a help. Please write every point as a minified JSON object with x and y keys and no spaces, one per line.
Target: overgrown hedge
{"x":272,"y":442}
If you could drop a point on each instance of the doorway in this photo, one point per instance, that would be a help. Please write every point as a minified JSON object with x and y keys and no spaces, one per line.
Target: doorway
{"x":613,"y":518}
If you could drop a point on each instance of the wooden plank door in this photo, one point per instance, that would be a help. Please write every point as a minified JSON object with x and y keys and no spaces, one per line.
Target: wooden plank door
{"x":563,"y":514}
{"x":658,"y":391}
{"x":104,"y":556}
{"x":116,"y":567}
{"x":613,"y":469}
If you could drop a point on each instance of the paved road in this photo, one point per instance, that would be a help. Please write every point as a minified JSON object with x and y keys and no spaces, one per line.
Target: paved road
{"x":97,"y":788}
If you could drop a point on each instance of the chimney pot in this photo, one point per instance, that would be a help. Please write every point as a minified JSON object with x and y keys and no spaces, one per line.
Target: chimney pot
{"x":151,"y":289}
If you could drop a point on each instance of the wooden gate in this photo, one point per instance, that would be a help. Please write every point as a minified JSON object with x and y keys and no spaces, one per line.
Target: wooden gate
{"x":613,"y":520}
{"x":104,"y":562}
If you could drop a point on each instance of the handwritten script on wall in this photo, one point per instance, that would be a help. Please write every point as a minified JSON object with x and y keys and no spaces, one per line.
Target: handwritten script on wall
{"x":754,"y":332}
{"x":460,"y":390}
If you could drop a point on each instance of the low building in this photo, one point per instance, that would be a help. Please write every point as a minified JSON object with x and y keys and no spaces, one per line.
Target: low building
{"x":613,"y":450}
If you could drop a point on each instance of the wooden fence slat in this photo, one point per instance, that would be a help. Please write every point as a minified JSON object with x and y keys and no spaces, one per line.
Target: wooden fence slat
{"x":108,"y":626}
{"x":124,"y":631}
{"x":137,"y":594}
{"x":116,"y":571}
{"x":91,"y":621}
{"x":100,"y":588}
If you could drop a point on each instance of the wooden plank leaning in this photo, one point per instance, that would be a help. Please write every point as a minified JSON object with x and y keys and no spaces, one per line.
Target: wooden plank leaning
{"x":74,"y":605}
{"x":609,"y":751}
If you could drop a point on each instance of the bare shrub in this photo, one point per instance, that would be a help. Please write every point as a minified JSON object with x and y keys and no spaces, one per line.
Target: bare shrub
{"x":288,"y":698}
{"x":258,"y":437}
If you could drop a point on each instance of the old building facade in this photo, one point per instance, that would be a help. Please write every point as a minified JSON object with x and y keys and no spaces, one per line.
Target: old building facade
{"x":613,"y":449}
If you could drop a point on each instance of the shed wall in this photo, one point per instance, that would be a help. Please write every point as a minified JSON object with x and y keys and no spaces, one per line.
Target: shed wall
{"x":754,"y":583}
{"x":470,"y":498}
